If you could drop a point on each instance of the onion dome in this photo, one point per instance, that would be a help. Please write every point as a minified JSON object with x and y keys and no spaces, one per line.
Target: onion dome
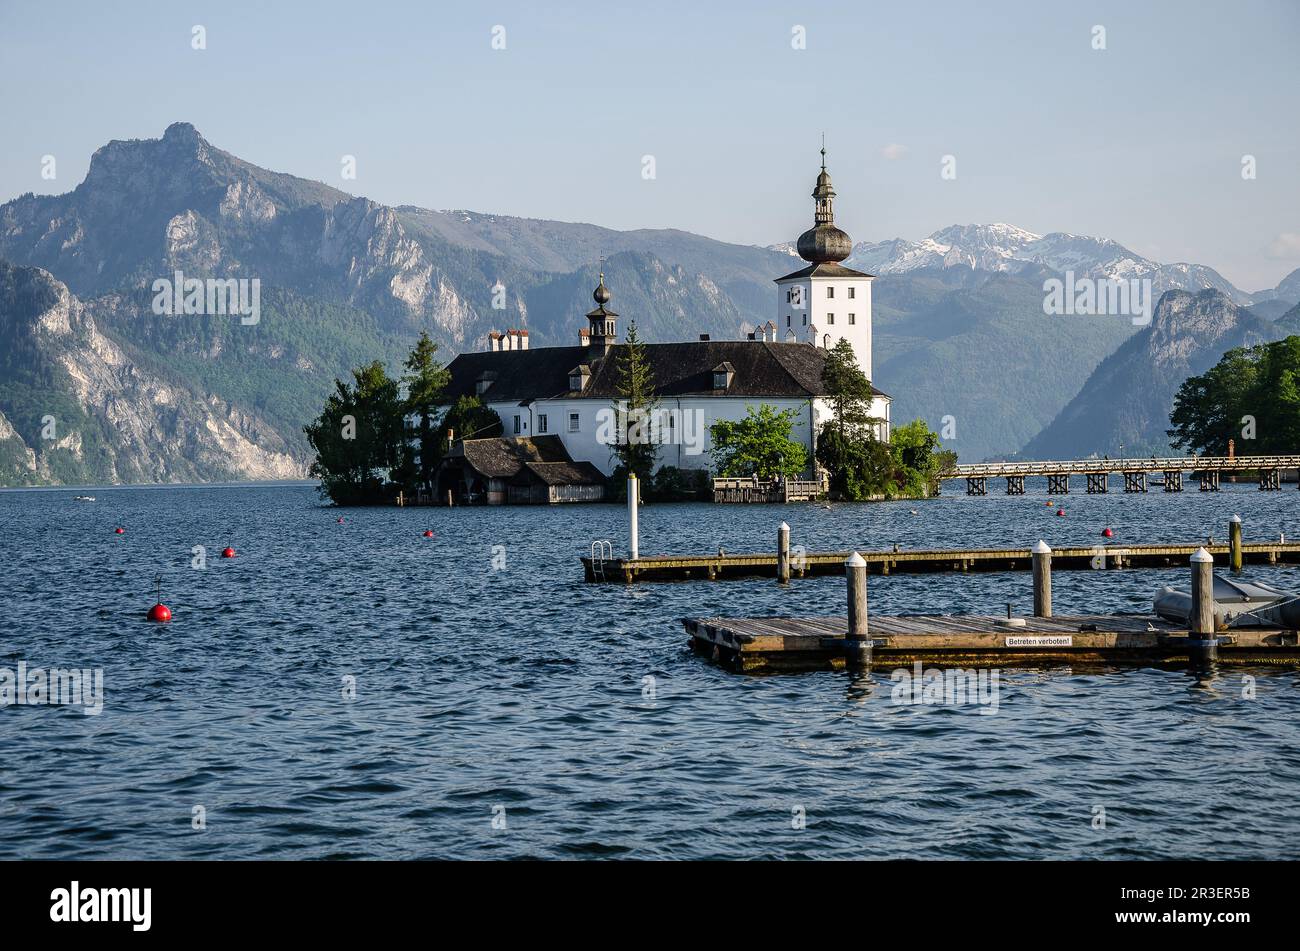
{"x":824,"y":243}
{"x":601,"y":294}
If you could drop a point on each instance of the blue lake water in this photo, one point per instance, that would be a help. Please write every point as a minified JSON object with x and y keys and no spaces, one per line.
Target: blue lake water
{"x":520,"y":693}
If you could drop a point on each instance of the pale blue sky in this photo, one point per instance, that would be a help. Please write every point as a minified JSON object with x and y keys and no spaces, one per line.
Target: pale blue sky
{"x":1141,"y":142}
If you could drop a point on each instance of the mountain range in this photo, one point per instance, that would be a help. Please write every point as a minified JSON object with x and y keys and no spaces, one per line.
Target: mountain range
{"x":960,"y":328}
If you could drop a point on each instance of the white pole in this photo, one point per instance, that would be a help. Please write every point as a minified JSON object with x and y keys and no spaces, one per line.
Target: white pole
{"x":1042,"y":562}
{"x":633,"y":489}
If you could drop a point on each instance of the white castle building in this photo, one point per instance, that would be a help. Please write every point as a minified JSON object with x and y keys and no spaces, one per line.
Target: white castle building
{"x":556,"y":402}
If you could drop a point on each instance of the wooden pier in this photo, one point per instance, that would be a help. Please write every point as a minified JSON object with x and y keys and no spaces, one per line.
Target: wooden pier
{"x":902,"y":561}
{"x":1136,"y":472}
{"x":769,"y":490}
{"x":775,"y":643}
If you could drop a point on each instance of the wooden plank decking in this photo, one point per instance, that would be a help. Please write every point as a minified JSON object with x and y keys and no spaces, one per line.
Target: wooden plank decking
{"x":776,"y":643}
{"x":720,"y":567}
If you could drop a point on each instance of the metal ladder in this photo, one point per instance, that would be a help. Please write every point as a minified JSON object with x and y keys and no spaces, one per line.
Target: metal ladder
{"x":602,"y":550}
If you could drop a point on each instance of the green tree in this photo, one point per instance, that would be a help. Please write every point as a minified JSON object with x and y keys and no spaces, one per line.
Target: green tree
{"x":635,"y":447}
{"x":848,"y":391}
{"x":917,"y":460}
{"x":358,"y":437}
{"x":426,"y":379}
{"x":759,"y":444}
{"x":859,"y":464}
{"x":1251,"y":393}
{"x":468,"y":418}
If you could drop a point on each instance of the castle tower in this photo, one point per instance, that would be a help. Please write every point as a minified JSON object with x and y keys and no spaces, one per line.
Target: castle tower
{"x":826,"y":302}
{"x":602,"y":322}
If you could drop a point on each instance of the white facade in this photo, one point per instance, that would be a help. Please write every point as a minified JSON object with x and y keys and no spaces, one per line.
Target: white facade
{"x":824,"y":310}
{"x":682,"y":429}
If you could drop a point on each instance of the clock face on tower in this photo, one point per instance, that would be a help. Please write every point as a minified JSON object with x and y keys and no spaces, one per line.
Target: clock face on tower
{"x":796,"y":297}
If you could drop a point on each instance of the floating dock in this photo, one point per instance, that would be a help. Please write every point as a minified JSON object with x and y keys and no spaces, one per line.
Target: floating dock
{"x":722,"y":567}
{"x":777,"y":643}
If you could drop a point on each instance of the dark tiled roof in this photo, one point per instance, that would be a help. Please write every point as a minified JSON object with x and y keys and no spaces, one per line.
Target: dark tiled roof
{"x":762,"y":369}
{"x":504,"y":456}
{"x":825,"y":269}
{"x":560,"y":473}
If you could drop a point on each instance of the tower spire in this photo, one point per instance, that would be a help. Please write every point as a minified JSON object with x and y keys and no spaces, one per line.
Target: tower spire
{"x":824,"y":242}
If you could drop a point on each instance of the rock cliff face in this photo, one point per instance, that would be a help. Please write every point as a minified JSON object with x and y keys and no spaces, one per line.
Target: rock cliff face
{"x":90,"y":411}
{"x":1127,"y":400}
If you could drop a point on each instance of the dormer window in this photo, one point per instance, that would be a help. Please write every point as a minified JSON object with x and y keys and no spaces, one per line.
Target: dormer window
{"x":578,"y":377}
{"x":483,"y":382}
{"x":723,"y":374}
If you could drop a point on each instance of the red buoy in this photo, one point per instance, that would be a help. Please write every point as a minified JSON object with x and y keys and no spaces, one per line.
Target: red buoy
{"x":428,"y":533}
{"x":1060,"y":511}
{"x":160,"y":613}
{"x":119,"y":531}
{"x":1107,"y":533}
{"x":228,"y":553}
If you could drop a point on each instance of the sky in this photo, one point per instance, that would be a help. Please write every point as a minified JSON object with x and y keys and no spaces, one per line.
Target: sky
{"x":1142,"y":141}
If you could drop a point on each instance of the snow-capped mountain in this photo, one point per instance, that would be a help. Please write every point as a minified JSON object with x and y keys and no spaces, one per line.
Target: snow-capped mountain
{"x":1005,"y":248}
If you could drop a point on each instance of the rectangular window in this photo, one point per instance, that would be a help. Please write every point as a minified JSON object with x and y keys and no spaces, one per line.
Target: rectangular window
{"x":805,"y":320}
{"x":830,"y":318}
{"x":573,"y":422}
{"x":830,"y":292}
{"x":853,"y":318}
{"x":517,"y":429}
{"x":787,"y":320}
{"x":541,"y":423}
{"x":853,"y":292}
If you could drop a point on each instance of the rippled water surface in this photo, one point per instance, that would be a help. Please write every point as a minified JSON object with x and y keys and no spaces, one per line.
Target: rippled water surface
{"x":520,"y":693}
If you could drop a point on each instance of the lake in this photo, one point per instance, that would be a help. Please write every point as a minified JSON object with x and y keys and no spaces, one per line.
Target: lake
{"x":356,"y":690}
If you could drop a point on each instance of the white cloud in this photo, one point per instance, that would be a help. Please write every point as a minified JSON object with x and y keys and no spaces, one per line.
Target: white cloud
{"x":893,"y":151}
{"x":1285,"y":246}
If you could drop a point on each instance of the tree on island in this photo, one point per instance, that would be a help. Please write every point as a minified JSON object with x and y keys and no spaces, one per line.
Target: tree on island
{"x":1252,"y":393}
{"x":758,"y":445}
{"x":635,"y":446}
{"x":862,"y":466}
{"x":426,"y":379}
{"x":359,"y":437}
{"x":468,"y":418}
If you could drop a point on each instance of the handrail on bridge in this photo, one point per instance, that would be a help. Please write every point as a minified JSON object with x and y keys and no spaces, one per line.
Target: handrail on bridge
{"x":1083,"y":466}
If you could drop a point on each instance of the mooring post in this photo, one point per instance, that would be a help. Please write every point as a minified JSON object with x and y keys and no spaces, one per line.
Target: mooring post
{"x":783,"y":554}
{"x":1234,"y":542}
{"x":633,"y":490}
{"x":1042,"y":558}
{"x":1201,"y":639}
{"x":857,"y":645}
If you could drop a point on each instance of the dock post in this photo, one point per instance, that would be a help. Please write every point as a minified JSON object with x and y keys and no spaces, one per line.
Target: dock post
{"x":1201,"y":640}
{"x":857,"y":645}
{"x":633,"y":491}
{"x":783,"y":554}
{"x":1042,"y":557}
{"x":1234,"y":542}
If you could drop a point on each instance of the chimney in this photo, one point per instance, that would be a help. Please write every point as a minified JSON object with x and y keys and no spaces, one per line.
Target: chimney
{"x":520,"y":338}
{"x":494,"y":341}
{"x":584,"y":337}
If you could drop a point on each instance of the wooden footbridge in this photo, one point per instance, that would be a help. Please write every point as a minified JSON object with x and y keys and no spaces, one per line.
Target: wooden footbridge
{"x":1138,"y":474}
